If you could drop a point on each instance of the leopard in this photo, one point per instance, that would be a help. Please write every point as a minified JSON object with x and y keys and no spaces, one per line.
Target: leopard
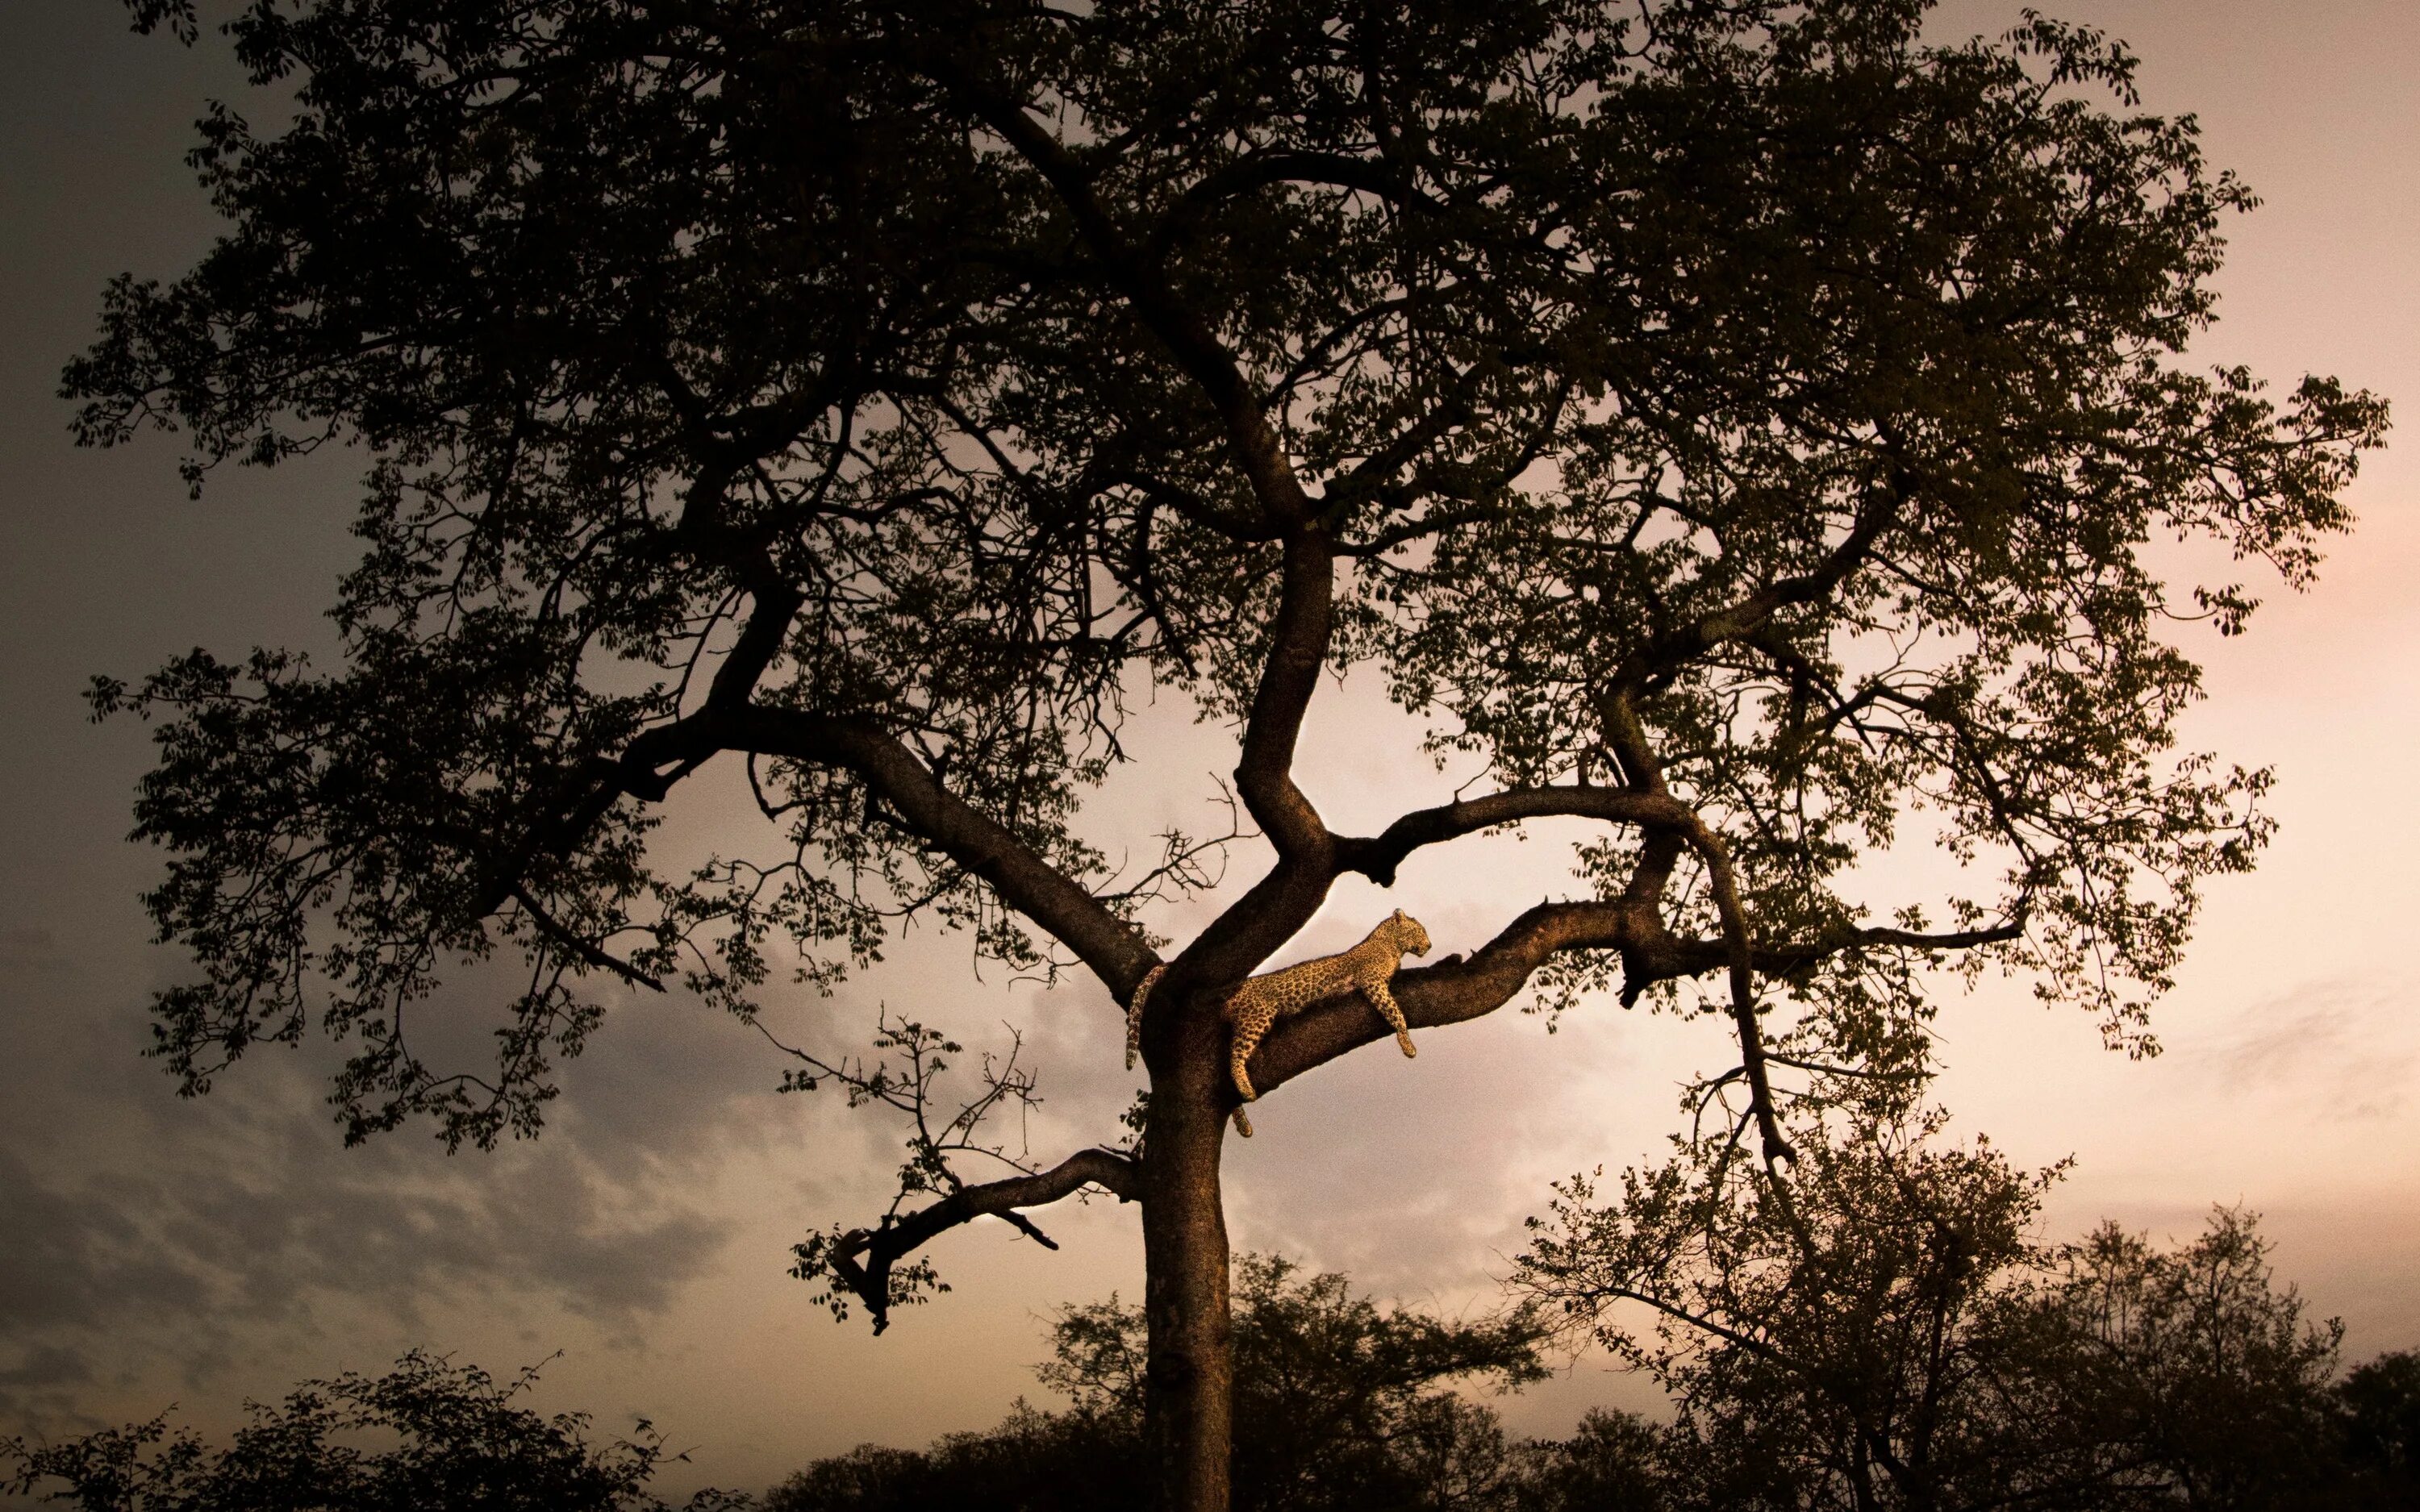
{"x":1256,"y":1005}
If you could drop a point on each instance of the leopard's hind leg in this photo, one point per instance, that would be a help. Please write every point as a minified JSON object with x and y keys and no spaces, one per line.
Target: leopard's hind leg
{"x":1249,"y":1029}
{"x":1384,"y":1001}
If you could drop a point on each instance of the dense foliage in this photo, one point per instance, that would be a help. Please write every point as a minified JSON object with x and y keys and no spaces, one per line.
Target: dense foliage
{"x":1960,"y":1368}
{"x":1745,"y":402}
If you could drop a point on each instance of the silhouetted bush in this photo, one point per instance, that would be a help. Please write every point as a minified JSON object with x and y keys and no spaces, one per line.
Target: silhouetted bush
{"x":2109,"y":1376}
{"x":456,"y":1440}
{"x":1881,"y":1330}
{"x":1616,"y":1462}
{"x":1034,"y":1462}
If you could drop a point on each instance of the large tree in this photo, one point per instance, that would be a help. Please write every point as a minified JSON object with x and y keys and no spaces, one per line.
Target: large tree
{"x":1734,"y":424}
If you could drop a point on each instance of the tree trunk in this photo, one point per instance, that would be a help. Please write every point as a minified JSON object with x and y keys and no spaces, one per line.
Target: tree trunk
{"x":1188,"y":1377}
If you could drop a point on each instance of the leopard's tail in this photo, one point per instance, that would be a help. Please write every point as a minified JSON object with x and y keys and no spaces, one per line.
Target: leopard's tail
{"x":1134,"y":1012}
{"x":1243,"y":1124}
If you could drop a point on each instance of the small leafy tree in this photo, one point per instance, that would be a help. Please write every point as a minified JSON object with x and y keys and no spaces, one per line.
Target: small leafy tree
{"x":1833,"y":1342}
{"x":2186,"y":1377}
{"x":1884,"y":1332}
{"x":1615,"y":1462}
{"x":454,"y":1438}
{"x":1734,"y":424}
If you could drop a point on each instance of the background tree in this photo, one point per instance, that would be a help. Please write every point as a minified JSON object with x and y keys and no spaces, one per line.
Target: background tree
{"x":2381,"y":1423}
{"x":1615,"y":1462}
{"x":445,"y":1435}
{"x":2194,"y":1379}
{"x":1734,"y":424}
{"x":1886,"y":1333}
{"x":2112,"y":1375}
{"x":1835,"y":1343}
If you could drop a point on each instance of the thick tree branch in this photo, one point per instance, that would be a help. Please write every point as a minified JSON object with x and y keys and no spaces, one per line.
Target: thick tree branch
{"x":1377,"y":857}
{"x":861,"y":1259}
{"x":1279,"y":904}
{"x":1026,"y":881}
{"x":1455,"y":990}
{"x":1684,"y":643}
{"x":1299,"y":643}
{"x":1654,"y":811}
{"x":1261,"y":169}
{"x":1113,"y":948}
{"x":1451,"y":991}
{"x":729,"y":721}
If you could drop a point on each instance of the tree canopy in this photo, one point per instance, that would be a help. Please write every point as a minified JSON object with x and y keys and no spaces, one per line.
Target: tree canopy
{"x":1748,"y":427}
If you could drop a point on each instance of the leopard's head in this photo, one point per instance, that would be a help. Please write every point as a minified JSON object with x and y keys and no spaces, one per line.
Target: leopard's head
{"x":1409,"y":933}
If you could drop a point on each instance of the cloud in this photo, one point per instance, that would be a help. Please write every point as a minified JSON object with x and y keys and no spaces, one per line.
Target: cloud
{"x":74,"y":1256}
{"x":28,"y":950}
{"x":150,"y":1235}
{"x":2341,"y":1048}
{"x":218,"y":1238}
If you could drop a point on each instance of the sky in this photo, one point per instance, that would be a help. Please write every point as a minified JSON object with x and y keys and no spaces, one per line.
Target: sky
{"x":157,"y":1251}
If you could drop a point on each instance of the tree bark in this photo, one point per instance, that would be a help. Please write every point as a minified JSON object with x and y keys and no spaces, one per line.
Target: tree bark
{"x":1189,"y":1370}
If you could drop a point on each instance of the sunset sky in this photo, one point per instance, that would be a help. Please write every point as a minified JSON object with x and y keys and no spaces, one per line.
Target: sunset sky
{"x":156,"y":1251}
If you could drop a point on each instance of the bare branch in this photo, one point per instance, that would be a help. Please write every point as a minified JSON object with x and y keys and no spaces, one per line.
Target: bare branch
{"x":861,"y":1259}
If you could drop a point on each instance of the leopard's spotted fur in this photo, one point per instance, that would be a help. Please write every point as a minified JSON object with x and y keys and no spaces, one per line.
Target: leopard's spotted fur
{"x":1261,"y":1001}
